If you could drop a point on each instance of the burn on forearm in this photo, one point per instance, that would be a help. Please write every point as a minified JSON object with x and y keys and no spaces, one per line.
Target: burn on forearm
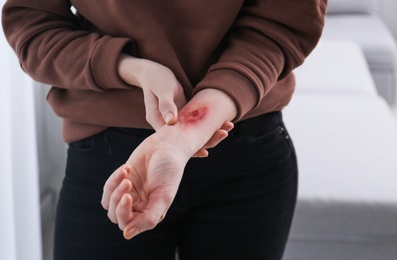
{"x":193,"y":115}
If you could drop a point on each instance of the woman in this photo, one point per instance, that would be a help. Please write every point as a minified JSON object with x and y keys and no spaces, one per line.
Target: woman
{"x":142,"y":87}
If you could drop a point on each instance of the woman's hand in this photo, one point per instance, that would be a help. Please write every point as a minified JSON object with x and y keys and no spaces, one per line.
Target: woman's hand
{"x":139,"y":193}
{"x":163,"y":94}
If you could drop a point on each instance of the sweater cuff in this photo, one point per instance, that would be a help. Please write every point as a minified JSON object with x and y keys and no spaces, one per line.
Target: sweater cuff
{"x":239,"y":88}
{"x":104,"y":62}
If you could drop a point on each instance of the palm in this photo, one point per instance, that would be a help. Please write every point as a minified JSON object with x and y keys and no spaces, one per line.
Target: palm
{"x":156,"y":171}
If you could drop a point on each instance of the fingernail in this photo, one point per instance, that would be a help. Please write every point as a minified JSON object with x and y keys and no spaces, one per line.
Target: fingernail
{"x":131,"y":233}
{"x":169,"y":117}
{"x":231,"y":127}
{"x":205,"y":154}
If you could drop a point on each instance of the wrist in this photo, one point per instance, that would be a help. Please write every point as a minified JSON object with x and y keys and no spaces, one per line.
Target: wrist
{"x":133,"y":70}
{"x":199,"y":120}
{"x":186,"y":142}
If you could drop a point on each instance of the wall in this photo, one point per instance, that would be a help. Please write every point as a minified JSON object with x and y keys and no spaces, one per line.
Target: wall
{"x":19,"y":189}
{"x":389,"y":11}
{"x":7,"y":223}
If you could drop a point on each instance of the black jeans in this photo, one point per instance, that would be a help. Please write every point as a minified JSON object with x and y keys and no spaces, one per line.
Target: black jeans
{"x":236,"y":204}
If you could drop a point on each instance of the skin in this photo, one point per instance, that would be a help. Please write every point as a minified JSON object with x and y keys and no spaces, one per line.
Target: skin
{"x":193,"y":116}
{"x":139,"y":193}
{"x":163,"y":95}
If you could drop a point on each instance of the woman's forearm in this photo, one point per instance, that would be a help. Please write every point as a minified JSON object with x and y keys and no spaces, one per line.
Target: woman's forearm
{"x":196,"y":122}
{"x":155,"y":168}
{"x":131,"y":69}
{"x":202,"y":116}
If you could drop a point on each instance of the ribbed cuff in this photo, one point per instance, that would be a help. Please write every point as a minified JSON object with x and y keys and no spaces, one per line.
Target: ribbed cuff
{"x":104,"y":62}
{"x":239,"y":88}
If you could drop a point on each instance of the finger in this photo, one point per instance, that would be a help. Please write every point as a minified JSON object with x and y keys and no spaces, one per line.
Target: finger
{"x":218,"y":137}
{"x":171,"y":102}
{"x":227,"y":126}
{"x":112,"y":182}
{"x":202,"y":153}
{"x":153,"y":214}
{"x":168,"y":109}
{"x":124,"y":188}
{"x":123,"y":211}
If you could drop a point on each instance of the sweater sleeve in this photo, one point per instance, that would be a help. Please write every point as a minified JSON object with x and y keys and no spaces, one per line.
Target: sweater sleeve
{"x":53,"y":48}
{"x":267,"y":41}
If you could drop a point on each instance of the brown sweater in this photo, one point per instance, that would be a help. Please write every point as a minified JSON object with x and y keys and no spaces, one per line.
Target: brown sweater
{"x":247,"y":49}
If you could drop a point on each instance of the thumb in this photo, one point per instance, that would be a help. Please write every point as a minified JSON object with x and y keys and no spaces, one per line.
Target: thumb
{"x":153,"y":214}
{"x":168,"y":110}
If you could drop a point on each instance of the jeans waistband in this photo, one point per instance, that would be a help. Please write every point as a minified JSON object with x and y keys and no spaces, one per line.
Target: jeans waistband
{"x":257,"y":125}
{"x":250,"y":126}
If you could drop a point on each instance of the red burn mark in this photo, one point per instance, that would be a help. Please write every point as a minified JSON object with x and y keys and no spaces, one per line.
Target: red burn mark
{"x":193,"y":116}
{"x":195,"y":113}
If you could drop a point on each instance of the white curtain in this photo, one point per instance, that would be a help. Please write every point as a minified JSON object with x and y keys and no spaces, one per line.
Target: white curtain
{"x":20,"y":236}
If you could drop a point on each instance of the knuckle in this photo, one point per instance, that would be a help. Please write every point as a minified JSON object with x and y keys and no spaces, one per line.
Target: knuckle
{"x":104,"y":204}
{"x":106,"y":186}
{"x":162,"y":217}
{"x":151,"y":222}
{"x":121,"y":225}
{"x":120,"y":212}
{"x":112,"y":218}
{"x":149,"y":118}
